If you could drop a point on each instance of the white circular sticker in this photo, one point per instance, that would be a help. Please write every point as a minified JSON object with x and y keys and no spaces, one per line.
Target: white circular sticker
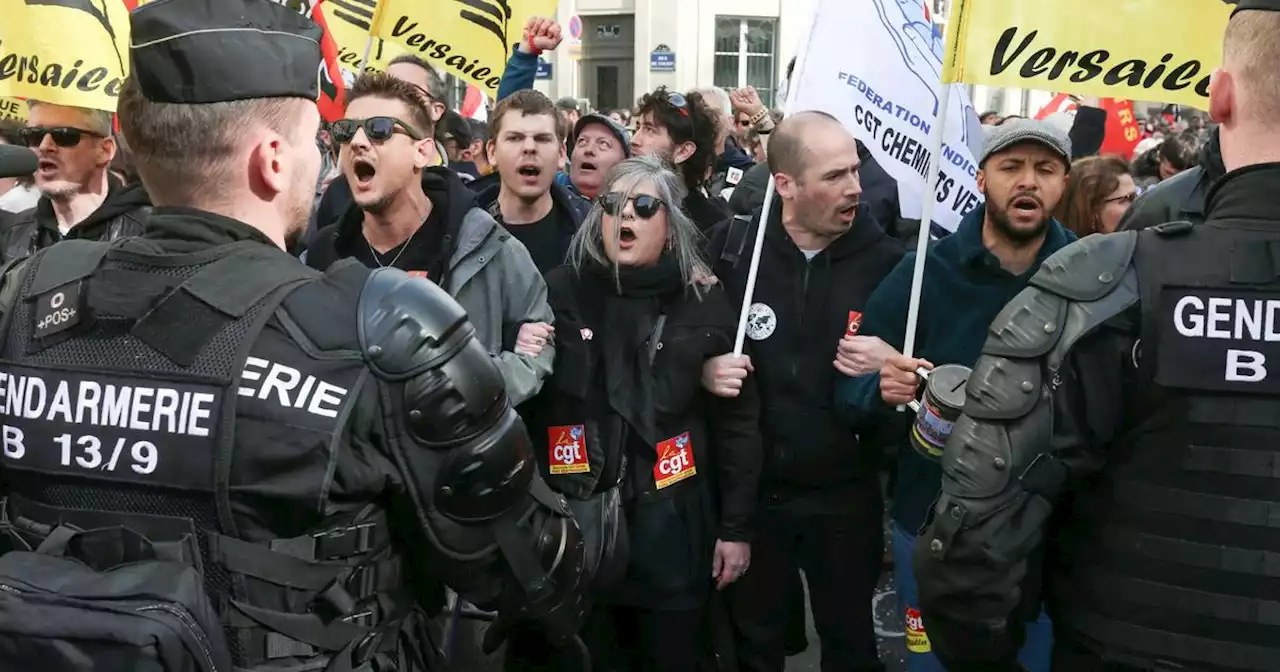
{"x":761,"y":322}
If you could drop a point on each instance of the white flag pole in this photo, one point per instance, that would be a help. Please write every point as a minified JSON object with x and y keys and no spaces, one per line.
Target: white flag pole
{"x":364,"y":60}
{"x":753,"y":271}
{"x":926,"y":228}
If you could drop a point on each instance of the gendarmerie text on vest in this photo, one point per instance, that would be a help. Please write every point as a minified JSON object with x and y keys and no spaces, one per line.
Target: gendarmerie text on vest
{"x":1232,"y":319}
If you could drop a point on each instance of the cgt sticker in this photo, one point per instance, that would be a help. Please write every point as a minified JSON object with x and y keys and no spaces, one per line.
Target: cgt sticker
{"x":675,"y":461}
{"x":855,"y":323}
{"x":917,"y":640}
{"x":567,"y":446}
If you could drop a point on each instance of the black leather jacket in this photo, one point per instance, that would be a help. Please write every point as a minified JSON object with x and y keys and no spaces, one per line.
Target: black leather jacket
{"x":123,"y":213}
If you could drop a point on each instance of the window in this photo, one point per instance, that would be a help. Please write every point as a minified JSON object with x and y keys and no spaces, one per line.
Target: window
{"x":744,"y":55}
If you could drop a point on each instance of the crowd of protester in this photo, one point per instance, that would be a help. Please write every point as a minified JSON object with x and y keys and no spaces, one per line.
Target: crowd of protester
{"x":602,"y":257}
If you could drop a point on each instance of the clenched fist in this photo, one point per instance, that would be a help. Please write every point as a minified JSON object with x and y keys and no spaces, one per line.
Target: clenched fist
{"x":861,"y":355}
{"x":541,"y":34}
{"x":899,"y":381}
{"x":723,"y":376}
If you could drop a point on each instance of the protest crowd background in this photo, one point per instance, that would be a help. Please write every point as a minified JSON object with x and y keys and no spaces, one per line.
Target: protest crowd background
{"x":721,"y":406}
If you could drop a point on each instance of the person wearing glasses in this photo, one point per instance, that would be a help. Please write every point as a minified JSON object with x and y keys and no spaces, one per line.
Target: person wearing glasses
{"x":1098,"y":195}
{"x":624,"y":418}
{"x":80,"y":198}
{"x":682,"y":131}
{"x":411,"y":214}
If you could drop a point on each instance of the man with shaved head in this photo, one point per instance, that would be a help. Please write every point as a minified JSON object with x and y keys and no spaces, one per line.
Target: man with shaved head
{"x":1117,"y":453}
{"x":819,"y":496}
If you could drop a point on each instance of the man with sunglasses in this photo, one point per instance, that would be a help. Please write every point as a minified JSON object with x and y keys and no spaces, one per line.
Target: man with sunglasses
{"x":682,"y":131}
{"x":80,"y":198}
{"x":411,"y":214}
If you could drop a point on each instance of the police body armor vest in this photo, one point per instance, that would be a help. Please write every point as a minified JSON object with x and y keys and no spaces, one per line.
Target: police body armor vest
{"x":142,"y":366}
{"x":1172,"y":556}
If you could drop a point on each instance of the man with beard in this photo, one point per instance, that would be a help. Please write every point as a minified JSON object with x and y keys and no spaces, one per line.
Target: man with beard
{"x":819,"y":505}
{"x":412,"y":214}
{"x":682,"y":130}
{"x":80,"y":198}
{"x":1121,"y":463}
{"x":307,"y":455}
{"x":526,"y":147}
{"x":969,"y":276}
{"x":598,"y":144}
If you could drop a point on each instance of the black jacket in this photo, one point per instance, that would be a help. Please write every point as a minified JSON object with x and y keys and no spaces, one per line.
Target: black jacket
{"x":672,"y":529}
{"x":800,"y":311}
{"x":123,"y":213}
{"x":571,"y":208}
{"x":705,"y":212}
{"x":1180,"y":197}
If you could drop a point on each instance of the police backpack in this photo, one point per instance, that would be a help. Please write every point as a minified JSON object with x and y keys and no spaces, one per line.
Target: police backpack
{"x":107,"y":600}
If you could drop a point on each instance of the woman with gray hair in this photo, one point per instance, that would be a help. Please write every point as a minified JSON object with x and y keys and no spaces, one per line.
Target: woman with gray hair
{"x":624,"y":423}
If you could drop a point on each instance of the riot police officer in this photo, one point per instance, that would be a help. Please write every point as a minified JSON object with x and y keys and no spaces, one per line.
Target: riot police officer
{"x":1119,"y":452}
{"x":216,"y":457}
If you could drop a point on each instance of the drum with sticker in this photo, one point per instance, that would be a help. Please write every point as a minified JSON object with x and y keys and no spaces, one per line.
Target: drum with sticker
{"x":940,"y":407}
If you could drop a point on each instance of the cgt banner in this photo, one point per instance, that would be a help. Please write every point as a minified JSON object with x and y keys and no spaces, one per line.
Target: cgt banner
{"x":876,"y":66}
{"x":82,"y":63}
{"x":1137,"y":49}
{"x":471,"y":38}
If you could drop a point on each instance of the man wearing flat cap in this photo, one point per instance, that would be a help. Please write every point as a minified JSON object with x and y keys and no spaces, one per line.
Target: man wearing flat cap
{"x":276,"y":466}
{"x":1118,"y":453}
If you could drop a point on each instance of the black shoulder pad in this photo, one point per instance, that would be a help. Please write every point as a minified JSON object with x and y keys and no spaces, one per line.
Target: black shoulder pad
{"x":1088,"y":268}
{"x":407,"y":324}
{"x":1028,"y":326}
{"x":1002,"y":389}
{"x":1173,"y":228}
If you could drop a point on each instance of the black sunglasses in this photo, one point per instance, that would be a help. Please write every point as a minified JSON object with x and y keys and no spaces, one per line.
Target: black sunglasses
{"x":63,"y":136}
{"x":644,"y":205}
{"x":678,"y":101}
{"x":377,"y":128}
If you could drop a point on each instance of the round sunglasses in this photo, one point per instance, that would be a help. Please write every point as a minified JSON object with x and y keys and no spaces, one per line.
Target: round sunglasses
{"x":644,"y":205}
{"x":63,"y":136}
{"x":378,"y":129}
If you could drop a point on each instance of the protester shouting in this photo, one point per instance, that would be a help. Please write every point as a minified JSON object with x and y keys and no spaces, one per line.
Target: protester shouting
{"x":411,"y":214}
{"x":820,"y":504}
{"x":80,"y":198}
{"x":527,"y":148}
{"x":969,"y":277}
{"x":598,"y":144}
{"x":625,"y":409}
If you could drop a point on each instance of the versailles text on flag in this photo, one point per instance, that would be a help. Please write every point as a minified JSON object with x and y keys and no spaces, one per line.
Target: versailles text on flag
{"x":471,"y":38}
{"x":1137,"y":49}
{"x":82,"y":63}
{"x":876,"y":66}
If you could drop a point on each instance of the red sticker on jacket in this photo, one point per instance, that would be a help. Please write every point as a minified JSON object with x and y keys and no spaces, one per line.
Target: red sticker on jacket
{"x":567,"y":448}
{"x":675,"y":461}
{"x":855,"y":322}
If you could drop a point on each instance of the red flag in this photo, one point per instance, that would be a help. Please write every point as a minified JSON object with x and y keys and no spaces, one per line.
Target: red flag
{"x":333,"y":90}
{"x":1123,"y":134}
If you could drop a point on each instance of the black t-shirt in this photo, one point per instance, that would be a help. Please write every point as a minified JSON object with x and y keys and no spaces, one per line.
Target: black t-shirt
{"x":417,"y":255}
{"x":544,"y":239}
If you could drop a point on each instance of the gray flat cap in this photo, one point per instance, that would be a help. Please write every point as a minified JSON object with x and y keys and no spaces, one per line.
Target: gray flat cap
{"x":1013,"y":132}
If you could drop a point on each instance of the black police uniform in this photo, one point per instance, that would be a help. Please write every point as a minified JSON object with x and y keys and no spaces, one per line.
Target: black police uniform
{"x":1118,"y":455}
{"x":320,"y":449}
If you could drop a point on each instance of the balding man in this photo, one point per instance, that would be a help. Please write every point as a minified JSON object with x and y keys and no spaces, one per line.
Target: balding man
{"x":79,"y":196}
{"x":1124,"y":424}
{"x":820,"y":507}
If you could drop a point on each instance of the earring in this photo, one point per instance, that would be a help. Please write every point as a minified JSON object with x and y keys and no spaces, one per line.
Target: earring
{"x":671,"y":244}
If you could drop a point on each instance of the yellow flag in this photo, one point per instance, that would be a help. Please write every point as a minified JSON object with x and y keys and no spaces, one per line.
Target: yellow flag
{"x":349,"y":22}
{"x":1160,"y":50}
{"x":66,"y":52}
{"x":471,"y":38}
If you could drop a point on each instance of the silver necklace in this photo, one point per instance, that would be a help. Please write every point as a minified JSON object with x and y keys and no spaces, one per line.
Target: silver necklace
{"x":396,"y":258}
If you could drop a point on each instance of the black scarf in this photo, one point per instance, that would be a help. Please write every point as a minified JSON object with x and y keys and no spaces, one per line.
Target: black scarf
{"x":629,"y":304}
